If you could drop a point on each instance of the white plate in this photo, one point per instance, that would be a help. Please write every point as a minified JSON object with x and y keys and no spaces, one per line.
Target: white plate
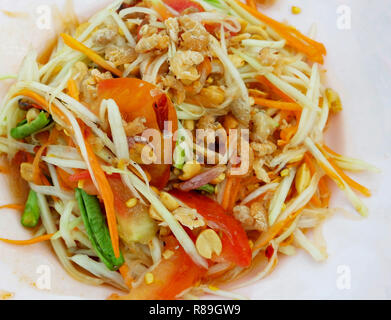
{"x":358,"y":66}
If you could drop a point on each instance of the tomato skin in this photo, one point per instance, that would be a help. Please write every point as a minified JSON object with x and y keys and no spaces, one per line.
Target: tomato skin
{"x":137,"y":98}
{"x":181,"y":5}
{"x":133,"y":98}
{"x":171,"y":277}
{"x":236,"y":247}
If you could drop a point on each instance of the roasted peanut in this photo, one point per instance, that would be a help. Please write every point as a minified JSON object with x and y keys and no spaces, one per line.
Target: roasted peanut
{"x":208,"y":243}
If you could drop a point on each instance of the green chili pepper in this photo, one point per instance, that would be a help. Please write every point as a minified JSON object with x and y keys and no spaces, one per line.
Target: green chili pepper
{"x":208,"y":188}
{"x":25,"y":129}
{"x":32,"y":212}
{"x":97,"y":230}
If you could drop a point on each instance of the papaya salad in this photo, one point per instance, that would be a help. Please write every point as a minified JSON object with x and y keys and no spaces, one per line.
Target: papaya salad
{"x":73,"y":130}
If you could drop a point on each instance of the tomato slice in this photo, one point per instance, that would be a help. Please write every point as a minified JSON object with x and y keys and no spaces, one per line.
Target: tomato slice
{"x":171,"y":277}
{"x":236,"y":247}
{"x":181,"y":5}
{"x":137,"y":98}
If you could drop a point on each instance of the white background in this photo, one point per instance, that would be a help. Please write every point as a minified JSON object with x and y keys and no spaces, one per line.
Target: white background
{"x":358,"y":66}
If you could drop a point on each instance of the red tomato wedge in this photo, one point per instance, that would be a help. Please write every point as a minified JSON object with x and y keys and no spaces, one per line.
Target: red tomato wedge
{"x":137,"y":98}
{"x":181,"y":5}
{"x":236,"y":247}
{"x":170,"y":278}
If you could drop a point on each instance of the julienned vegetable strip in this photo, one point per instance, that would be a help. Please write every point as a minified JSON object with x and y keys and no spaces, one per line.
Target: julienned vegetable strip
{"x":28,"y":242}
{"x":355,"y":185}
{"x":42,"y":103}
{"x":37,"y":159}
{"x":78,"y":46}
{"x":311,"y":48}
{"x":290,"y":106}
{"x":73,"y":90}
{"x":35,"y":97}
{"x":251,"y":3}
{"x":12,"y":206}
{"x":272,"y":88}
{"x":107,"y":196}
{"x":274,"y":230}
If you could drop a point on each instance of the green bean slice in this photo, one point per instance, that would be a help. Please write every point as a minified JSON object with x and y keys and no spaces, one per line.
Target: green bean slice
{"x":97,"y":230}
{"x":32,"y":212}
{"x":208,"y":188}
{"x":25,"y":129}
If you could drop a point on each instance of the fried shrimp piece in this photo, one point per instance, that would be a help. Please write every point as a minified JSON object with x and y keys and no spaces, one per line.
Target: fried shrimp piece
{"x":120,"y":55}
{"x":135,"y":127}
{"x":104,"y":36}
{"x":253,"y":218}
{"x":264,"y":126}
{"x":195,"y":37}
{"x":184,"y":63}
{"x":240,"y":109}
{"x":172,"y":26}
{"x":263,"y":149}
{"x":151,"y":39}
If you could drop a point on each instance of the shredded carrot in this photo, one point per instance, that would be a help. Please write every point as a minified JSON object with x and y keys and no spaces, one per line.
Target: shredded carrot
{"x":78,"y":46}
{"x":355,"y":185}
{"x":4,"y":169}
{"x":310,"y":163}
{"x":234,"y":193}
{"x":251,"y":3}
{"x":63,"y":179}
{"x":124,"y":271}
{"x":324,"y":192}
{"x":291,"y":106}
{"x":227,"y":192}
{"x":326,"y":148}
{"x":272,"y":88}
{"x":53,"y":136}
{"x":12,"y":206}
{"x":286,"y":115}
{"x":316,"y":201}
{"x":286,"y":135}
{"x":311,"y":48}
{"x":231,"y":192}
{"x":35,"y":97}
{"x":30,"y":241}
{"x":73,"y":90}
{"x":37,"y":160}
{"x":107,"y":195}
{"x":275,"y":229}
{"x":42,"y":103}
{"x":333,"y":176}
